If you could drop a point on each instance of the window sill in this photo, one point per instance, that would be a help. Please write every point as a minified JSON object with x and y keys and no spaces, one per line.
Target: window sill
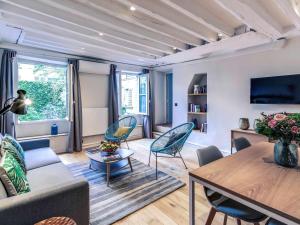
{"x":42,"y":121}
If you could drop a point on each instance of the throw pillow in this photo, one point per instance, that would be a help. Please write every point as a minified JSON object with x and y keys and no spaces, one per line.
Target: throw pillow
{"x":16,"y":144}
{"x":8,"y":147}
{"x":173,"y":138}
{"x":121,"y":131}
{"x":10,"y":170}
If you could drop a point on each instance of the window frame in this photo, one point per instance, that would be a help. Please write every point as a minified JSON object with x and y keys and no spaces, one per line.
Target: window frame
{"x":138,"y":74}
{"x":31,"y":60}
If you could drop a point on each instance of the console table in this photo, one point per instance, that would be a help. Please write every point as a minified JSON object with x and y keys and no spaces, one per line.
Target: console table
{"x":250,"y":134}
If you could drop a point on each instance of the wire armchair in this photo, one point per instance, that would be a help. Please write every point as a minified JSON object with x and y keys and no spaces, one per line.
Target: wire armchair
{"x":128,"y":122}
{"x":170,"y":143}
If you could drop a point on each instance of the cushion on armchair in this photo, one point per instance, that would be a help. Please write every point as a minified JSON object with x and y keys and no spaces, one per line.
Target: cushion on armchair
{"x":121,"y":131}
{"x":12,"y":173}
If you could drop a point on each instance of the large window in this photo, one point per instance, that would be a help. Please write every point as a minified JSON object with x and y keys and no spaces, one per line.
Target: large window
{"x":46,"y":87}
{"x":134,"y":93}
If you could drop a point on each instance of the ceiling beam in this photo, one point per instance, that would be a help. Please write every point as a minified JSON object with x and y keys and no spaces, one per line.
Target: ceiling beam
{"x":55,"y":15}
{"x":37,"y":19}
{"x":287,"y":8}
{"x":168,"y":15}
{"x":68,"y":36}
{"x":194,"y":10}
{"x":136,"y":17}
{"x":253,"y":15}
{"x":81,"y":10}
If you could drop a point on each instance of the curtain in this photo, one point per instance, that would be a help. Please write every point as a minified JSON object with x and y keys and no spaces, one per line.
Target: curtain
{"x":7,"y":123}
{"x":75,"y":136}
{"x":148,"y":121}
{"x":113,"y":108}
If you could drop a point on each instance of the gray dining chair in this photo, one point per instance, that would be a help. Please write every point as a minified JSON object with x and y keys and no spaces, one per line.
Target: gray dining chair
{"x":221,"y":203}
{"x":241,"y":143}
{"x":274,"y":222}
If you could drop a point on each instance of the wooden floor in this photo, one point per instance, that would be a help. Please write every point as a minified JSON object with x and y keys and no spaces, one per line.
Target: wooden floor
{"x":173,"y":208}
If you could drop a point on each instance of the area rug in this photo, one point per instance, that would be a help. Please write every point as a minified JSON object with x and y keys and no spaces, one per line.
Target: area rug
{"x":127,"y":193}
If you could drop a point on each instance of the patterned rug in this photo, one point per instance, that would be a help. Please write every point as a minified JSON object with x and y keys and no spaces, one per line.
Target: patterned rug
{"x":127,"y":193}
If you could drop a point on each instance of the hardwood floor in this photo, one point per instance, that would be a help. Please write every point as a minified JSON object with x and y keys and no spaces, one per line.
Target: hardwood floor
{"x":173,"y":208}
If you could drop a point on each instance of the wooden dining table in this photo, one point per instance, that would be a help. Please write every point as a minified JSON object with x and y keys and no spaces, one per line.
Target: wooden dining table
{"x":252,"y":178}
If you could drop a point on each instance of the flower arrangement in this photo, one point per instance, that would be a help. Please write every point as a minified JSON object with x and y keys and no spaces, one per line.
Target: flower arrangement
{"x":280,"y":126}
{"x":109,"y":147}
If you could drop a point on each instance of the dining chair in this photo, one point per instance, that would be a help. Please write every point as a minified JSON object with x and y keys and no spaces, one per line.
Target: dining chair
{"x":274,"y":222}
{"x":221,"y":203}
{"x":120,"y":130}
{"x":241,"y":143}
{"x":169,"y":144}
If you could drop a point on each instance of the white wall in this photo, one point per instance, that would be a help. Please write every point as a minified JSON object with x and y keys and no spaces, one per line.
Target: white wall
{"x":229,"y":90}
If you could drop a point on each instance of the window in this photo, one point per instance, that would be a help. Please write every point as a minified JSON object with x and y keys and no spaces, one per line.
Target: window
{"x":46,"y":86}
{"x":134,"y":93}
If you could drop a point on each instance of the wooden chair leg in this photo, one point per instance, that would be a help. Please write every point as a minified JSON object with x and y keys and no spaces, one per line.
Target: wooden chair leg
{"x":211,"y":216}
{"x":238,"y":221}
{"x":225,"y":220}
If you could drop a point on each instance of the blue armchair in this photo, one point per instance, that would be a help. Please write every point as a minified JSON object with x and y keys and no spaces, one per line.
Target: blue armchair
{"x":125,"y":122}
{"x":171,"y":143}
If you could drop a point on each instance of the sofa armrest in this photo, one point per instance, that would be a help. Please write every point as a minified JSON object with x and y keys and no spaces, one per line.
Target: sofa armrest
{"x":70,"y":200}
{"x":33,"y":144}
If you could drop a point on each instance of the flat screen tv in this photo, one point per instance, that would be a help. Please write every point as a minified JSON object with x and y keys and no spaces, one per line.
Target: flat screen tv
{"x":276,"y":90}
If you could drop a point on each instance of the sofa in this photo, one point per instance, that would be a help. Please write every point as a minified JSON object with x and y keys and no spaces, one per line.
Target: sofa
{"x":54,"y":190}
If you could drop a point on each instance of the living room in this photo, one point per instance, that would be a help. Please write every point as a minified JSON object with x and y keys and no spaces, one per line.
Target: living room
{"x":149,"y":112}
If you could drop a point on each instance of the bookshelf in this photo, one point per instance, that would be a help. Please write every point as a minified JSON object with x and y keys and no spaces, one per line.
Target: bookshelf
{"x":197,"y":102}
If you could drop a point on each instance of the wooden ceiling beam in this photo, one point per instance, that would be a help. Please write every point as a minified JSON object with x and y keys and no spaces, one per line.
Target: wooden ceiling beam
{"x":78,"y":31}
{"x":81,"y":10}
{"x":287,"y":8}
{"x":253,"y":15}
{"x":59,"y":15}
{"x":168,"y":15}
{"x":68,"y":36}
{"x":194,"y":10}
{"x":136,"y":17}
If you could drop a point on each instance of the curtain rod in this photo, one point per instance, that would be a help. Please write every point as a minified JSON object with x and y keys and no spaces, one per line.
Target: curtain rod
{"x":17,"y":47}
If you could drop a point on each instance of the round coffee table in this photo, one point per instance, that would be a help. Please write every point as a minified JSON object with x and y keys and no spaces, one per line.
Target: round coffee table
{"x":98,"y":162}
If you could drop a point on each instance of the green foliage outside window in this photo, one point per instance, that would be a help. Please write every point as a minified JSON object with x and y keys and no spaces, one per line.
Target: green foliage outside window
{"x":47,"y":93}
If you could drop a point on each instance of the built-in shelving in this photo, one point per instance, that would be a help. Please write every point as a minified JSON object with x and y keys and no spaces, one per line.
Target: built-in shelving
{"x":197,"y":103}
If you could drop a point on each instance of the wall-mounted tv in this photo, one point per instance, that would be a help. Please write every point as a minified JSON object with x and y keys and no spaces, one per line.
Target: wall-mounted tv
{"x":276,"y":90}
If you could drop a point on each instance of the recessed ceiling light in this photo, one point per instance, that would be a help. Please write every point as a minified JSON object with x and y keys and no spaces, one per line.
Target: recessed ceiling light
{"x":100,"y":34}
{"x":174,"y":48}
{"x":132,"y":8}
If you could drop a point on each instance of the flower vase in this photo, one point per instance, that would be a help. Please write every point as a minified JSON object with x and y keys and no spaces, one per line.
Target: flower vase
{"x":286,"y":154}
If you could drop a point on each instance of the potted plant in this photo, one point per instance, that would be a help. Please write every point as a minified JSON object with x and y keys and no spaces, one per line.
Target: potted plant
{"x":285,"y":129}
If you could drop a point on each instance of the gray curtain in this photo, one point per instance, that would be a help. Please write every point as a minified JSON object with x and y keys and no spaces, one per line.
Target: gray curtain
{"x":75,"y":136}
{"x":148,"y":121}
{"x":113,"y":108}
{"x":7,"y":124}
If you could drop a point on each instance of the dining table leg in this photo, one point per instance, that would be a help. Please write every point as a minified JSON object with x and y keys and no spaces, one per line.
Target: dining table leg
{"x":191,"y":201}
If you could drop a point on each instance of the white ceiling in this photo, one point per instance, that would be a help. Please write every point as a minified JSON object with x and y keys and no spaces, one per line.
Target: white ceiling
{"x":157,"y":32}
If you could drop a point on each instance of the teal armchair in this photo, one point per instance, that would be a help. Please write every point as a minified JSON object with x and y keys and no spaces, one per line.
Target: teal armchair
{"x":170,"y":143}
{"x":128,"y":122}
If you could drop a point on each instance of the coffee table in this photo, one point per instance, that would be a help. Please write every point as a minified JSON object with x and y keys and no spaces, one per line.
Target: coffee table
{"x":97,"y":161}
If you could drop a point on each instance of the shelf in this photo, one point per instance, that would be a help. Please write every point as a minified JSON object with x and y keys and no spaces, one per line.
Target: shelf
{"x":201,"y":94}
{"x":197,"y":113}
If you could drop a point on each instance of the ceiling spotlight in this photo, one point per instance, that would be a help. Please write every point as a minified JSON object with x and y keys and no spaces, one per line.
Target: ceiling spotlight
{"x":100,"y":34}
{"x":296,"y":6}
{"x":174,"y":48}
{"x":132,"y":8}
{"x":220,"y":35}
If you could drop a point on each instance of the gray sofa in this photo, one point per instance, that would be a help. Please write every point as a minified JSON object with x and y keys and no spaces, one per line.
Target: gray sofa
{"x":54,"y":190}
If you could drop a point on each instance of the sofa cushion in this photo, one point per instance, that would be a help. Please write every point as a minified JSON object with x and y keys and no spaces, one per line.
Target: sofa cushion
{"x":11,"y":169}
{"x":16,"y":144}
{"x":7,"y":146}
{"x":39,"y":157}
{"x":48,"y":176}
{"x":3,"y":193}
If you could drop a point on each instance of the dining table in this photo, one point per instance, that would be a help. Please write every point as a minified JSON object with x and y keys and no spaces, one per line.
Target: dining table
{"x":252,"y":178}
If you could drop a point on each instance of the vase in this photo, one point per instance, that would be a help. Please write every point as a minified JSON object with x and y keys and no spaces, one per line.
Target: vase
{"x":286,"y":154}
{"x":244,"y":123}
